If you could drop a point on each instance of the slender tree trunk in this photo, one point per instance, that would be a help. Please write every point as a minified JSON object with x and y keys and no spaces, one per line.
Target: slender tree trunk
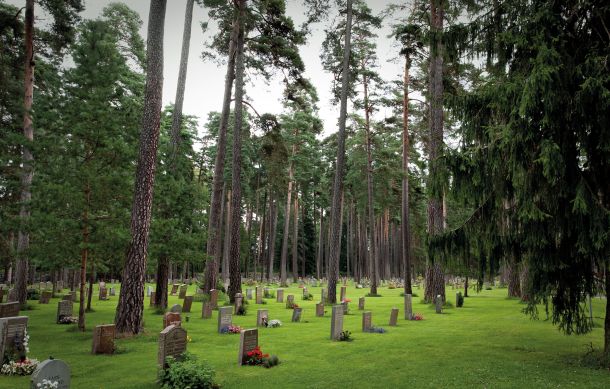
{"x":83,"y":263}
{"x":607,"y":319}
{"x":295,"y":237}
{"x":514,"y":286}
{"x":214,"y":223}
{"x":249,"y":237}
{"x":91,"y":280}
{"x":27,"y":173}
{"x":335,"y":211}
{"x":162,"y":281}
{"x":404,"y":220}
{"x":235,"y":249}
{"x":261,"y":240}
{"x":272,"y":233}
{"x":227,"y":239}
{"x":129,"y":320}
{"x":466,"y":287}
{"x":284,"y":256}
{"x":320,"y":245}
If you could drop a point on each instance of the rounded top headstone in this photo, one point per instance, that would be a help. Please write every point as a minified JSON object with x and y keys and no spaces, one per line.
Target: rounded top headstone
{"x":176,"y":308}
{"x":53,"y":370}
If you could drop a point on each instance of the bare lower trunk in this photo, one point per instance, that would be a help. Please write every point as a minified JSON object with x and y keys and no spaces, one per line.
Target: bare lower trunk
{"x":83,"y":263}
{"x":129,"y":313}
{"x":227,"y":239}
{"x":162,"y":282}
{"x":514,"y":286}
{"x":405,"y":227}
{"x":607,"y":319}
{"x":284,"y":255}
{"x":272,"y":233}
{"x":90,"y":290}
{"x":320,"y":246}
{"x":295,"y":237}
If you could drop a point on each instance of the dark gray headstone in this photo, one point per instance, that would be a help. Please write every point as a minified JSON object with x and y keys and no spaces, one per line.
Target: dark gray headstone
{"x":172,"y":342}
{"x":361,"y":303}
{"x":394,"y":317}
{"x":320,"y":309}
{"x":296,"y":315}
{"x":225,"y":318}
{"x":176,"y":308}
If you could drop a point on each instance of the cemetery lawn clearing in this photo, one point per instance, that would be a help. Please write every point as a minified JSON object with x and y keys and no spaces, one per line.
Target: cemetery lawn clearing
{"x":487,"y":343}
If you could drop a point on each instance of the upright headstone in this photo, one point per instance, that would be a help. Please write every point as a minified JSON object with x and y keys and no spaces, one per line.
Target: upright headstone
{"x":183,"y":289}
{"x":149,"y":290}
{"x":336,"y":323}
{"x":248,"y":340}
{"x":10,"y":328}
{"x":153,"y":296}
{"x":12,"y":295}
{"x":367,"y":321}
{"x":206,"y":310}
{"x":45,"y":297}
{"x":305,"y":292}
{"x":249,"y":293}
{"x":73,"y":294}
{"x":393,"y":317}
{"x":214,"y":298}
{"x":259,"y":295}
{"x":279,"y":295}
{"x":320,"y":309}
{"x":225,"y":318}
{"x":113,"y":291}
{"x":103,"y":339}
{"x":174,"y":289}
{"x":439,"y":304}
{"x":54,"y":370}
{"x":239,"y":300}
{"x":188,"y":302}
{"x":290,"y":301}
{"x":49,"y":285}
{"x":2,"y":292}
{"x":361,"y":303}
{"x":170,"y":318}
{"x":322,"y":295}
{"x":42,"y":286}
{"x":408,"y":307}
{"x":296,"y":315}
{"x":343,"y":292}
{"x":262,"y":317}
{"x":9,"y":309}
{"x":172,"y":342}
{"x":103,"y":293}
{"x":64,"y":309}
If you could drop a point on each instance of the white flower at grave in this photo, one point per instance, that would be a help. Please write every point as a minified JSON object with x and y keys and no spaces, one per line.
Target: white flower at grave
{"x":274,"y":323}
{"x":26,"y":341}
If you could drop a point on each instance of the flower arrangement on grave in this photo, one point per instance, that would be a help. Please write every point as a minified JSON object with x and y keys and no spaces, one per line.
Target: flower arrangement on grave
{"x":257,"y":358}
{"x":274,"y":323}
{"x":418,"y":316}
{"x":377,"y":330}
{"x":345,"y":336}
{"x":346,"y":300}
{"x":234,"y":329}
{"x":25,"y":367}
{"x":359,"y":286}
{"x":47,"y":384}
{"x":308,"y":297}
{"x":68,"y":319}
{"x":392,"y":285}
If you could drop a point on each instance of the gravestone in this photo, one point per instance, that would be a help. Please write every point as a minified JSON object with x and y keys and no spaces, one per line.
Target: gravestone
{"x":408,"y":307}
{"x":172,"y":318}
{"x":393,"y":317}
{"x":361,"y":303}
{"x":296,"y":315}
{"x":439,"y":304}
{"x":9,"y":309}
{"x":188,"y":302}
{"x":322,"y":295}
{"x":112,"y":291}
{"x":214,"y":298}
{"x":73,"y":294}
{"x":45,"y":297}
{"x":336,"y":323}
{"x":183,"y":289}
{"x":42,"y":286}
{"x":225,"y":318}
{"x":12,"y":295}
{"x":2,"y":295}
{"x":54,"y":370}
{"x":101,"y":285}
{"x":267,"y":292}
{"x":290,"y":301}
{"x":176,"y":308}
{"x":103,"y":339}
{"x":174,"y":289}
{"x":248,"y":340}
{"x":10,"y":327}
{"x":345,"y":308}
{"x":49,"y":285}
{"x":249,"y":294}
{"x":206,"y":310}
{"x":67,"y":297}
{"x":305,"y":292}
{"x":103,"y":293}
{"x":367,"y":321}
{"x":259,"y":295}
{"x":64,"y":309}
{"x":172,"y":342}
{"x":343,"y":292}
{"x":262,"y":317}
{"x":149,"y":290}
{"x":239,"y":298}
{"x":320,"y":309}
{"x":279,"y":296}
{"x":153,"y":296}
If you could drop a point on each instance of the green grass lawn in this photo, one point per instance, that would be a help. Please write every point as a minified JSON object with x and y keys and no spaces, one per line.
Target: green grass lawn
{"x":488,"y":343}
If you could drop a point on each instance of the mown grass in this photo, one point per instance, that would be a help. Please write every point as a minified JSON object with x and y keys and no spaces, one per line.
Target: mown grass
{"x":488,"y":343}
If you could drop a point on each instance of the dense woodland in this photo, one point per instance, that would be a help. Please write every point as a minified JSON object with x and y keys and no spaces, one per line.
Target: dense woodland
{"x":493,"y":164}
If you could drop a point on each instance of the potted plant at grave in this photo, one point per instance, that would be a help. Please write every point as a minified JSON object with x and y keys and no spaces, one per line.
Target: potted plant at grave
{"x":15,"y":361}
{"x":257,"y":358}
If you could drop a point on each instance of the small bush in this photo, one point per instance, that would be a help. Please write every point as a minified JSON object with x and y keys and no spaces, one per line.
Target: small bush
{"x":345,"y":336}
{"x":271,"y":361}
{"x":459,"y":300}
{"x":308,"y":297}
{"x":241,"y":311}
{"x":33,"y":294}
{"x":186,"y":372}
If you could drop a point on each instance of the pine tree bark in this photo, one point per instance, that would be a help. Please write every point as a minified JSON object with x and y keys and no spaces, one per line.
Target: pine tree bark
{"x":227,"y":239}
{"x":272,"y":234}
{"x":84,"y":255}
{"x":320,"y":246}
{"x":295,"y":237}
{"x":514,"y":285}
{"x":284,"y":255}
{"x":607,"y":319}
{"x":335,"y":211}
{"x":214,"y":224}
{"x":162,"y":281}
{"x":27,"y":160}
{"x":129,"y":313}
{"x":235,"y":237}
{"x":404,"y":217}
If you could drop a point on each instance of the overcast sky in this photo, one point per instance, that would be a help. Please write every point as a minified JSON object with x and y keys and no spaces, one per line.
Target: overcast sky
{"x":205,"y":80}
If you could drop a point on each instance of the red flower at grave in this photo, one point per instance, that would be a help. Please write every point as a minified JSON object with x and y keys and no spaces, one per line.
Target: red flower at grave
{"x":346,"y":300}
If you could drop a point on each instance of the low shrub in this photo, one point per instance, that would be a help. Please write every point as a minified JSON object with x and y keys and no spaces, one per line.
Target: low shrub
{"x":459,"y":300}
{"x":33,"y":294}
{"x":308,"y":297}
{"x":345,"y":336}
{"x":241,"y":311}
{"x":186,"y":372}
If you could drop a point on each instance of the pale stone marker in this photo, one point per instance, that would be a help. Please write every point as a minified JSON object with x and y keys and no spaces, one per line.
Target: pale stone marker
{"x":214,"y":298}
{"x":343,"y":292}
{"x":53,"y":370}
{"x":42,"y":286}
{"x":439,"y":304}
{"x":290,"y":301}
{"x":408,"y":307}
{"x":249,"y":294}
{"x":259,"y":295}
{"x":296,"y":315}
{"x":345,"y":308}
{"x":336,"y":324}
{"x":45,"y":297}
{"x":103,"y":339}
{"x":188,"y":302}
{"x":112,"y":291}
{"x":305,"y":292}
{"x":361,"y":303}
{"x":149,"y":290}
{"x":239,"y":298}
{"x":171,"y":318}
{"x":153,"y":296}
{"x":64,"y":309}
{"x":393,"y":317}
{"x":367,"y":321}
{"x":9,"y":309}
{"x":176,"y":308}
{"x":248,"y":340}
{"x":320,"y":309}
{"x":172,"y":342}
{"x":279,"y":295}
{"x":49,"y":285}
{"x":206,"y":310}
{"x":103,"y":293}
{"x":11,"y":327}
{"x":225,"y":318}
{"x":174,"y":289}
{"x":322,"y":295}
{"x":262,"y":317}
{"x":183,"y":289}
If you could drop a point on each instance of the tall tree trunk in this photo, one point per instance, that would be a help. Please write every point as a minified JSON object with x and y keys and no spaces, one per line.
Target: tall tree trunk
{"x":335,"y":210}
{"x":261,"y":240}
{"x":404,"y":216}
{"x":128,"y":319}
{"x":83,"y":263}
{"x":272,"y":233}
{"x":235,"y":249}
{"x":162,"y":281}
{"x":435,"y":283}
{"x":214,"y":223}
{"x":227,"y":239}
{"x":249,"y":237}
{"x":514,"y":285}
{"x":284,"y":255}
{"x":27,"y":173}
{"x":295,"y":237}
{"x":607,"y":319}
{"x":320,"y":245}
{"x":90,"y":291}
